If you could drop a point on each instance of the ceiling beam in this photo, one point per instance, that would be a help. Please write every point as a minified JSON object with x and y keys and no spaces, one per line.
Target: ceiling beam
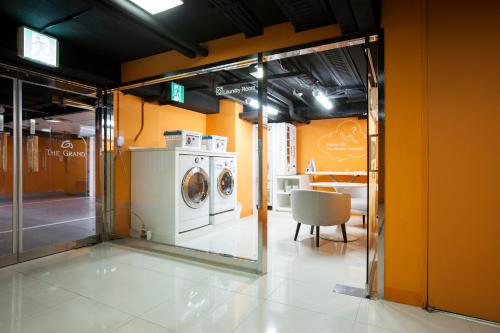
{"x":363,"y":14}
{"x":344,"y":16}
{"x":237,"y":12}
{"x":137,"y":16}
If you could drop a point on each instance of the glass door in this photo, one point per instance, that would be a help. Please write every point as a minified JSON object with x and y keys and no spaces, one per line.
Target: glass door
{"x":375,"y":208}
{"x":57,"y":162}
{"x":7,"y":165}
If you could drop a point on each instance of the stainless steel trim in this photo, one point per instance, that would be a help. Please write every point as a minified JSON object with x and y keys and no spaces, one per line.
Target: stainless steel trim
{"x":262,"y":209}
{"x":185,"y":187}
{"x":192,"y":254}
{"x":464,"y":317}
{"x":15,"y":166}
{"x":219,"y":181}
{"x":314,"y":49}
{"x":33,"y":74}
{"x":19,"y":165}
{"x":348,"y":290}
{"x":234,"y":65}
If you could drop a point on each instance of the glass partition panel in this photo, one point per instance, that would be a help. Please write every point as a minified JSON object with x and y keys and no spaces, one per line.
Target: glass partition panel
{"x":317,"y":145}
{"x":58,"y":167}
{"x":7,"y":128}
{"x":186,"y":161}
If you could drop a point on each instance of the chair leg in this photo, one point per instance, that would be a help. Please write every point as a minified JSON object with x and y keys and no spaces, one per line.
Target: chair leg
{"x":312,"y":230}
{"x":317,"y":236}
{"x":364,"y":217}
{"x":297,"y":232}
{"x":344,"y":232}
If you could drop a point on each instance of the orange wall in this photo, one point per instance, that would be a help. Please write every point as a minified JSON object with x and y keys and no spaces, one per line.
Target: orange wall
{"x":334,"y":144}
{"x":405,"y":220}
{"x":55,"y":174}
{"x":464,"y":124}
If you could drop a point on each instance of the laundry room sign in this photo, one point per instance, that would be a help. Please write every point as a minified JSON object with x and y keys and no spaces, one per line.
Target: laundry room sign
{"x":222,"y":91}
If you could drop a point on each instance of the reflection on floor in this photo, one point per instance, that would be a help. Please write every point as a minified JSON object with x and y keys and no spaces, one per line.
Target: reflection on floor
{"x":107,"y":288}
{"x":49,"y":221}
{"x":332,"y":262}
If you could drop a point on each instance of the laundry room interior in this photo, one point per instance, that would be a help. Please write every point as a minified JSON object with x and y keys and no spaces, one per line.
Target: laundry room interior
{"x":307,"y":144}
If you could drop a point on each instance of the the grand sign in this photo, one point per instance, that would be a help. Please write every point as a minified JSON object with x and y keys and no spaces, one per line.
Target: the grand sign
{"x":67,"y":150}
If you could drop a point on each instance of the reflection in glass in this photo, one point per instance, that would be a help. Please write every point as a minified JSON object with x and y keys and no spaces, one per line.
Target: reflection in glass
{"x":6,"y":166}
{"x":58,"y":167}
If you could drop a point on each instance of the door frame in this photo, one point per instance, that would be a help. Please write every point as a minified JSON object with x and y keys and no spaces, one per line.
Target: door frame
{"x":18,"y":77}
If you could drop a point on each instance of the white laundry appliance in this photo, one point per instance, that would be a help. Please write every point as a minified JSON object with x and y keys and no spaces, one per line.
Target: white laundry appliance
{"x":170,"y":192}
{"x":223,"y":194}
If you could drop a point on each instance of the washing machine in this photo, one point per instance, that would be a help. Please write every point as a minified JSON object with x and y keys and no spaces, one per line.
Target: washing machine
{"x":223,"y":198}
{"x":194,"y":189}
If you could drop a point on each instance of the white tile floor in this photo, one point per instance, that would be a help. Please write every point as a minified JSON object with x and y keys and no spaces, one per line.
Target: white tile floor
{"x":107,"y":288}
{"x":332,"y":262}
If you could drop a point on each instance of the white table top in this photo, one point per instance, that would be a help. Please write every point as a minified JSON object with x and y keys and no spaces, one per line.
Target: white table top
{"x":337,"y":173}
{"x":338,"y":184}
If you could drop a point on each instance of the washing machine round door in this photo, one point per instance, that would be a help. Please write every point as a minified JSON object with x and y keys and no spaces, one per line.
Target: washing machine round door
{"x":225,"y":183}
{"x":195,"y":187}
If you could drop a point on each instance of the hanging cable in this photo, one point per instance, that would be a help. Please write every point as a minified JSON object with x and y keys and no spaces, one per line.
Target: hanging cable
{"x":142,"y":121}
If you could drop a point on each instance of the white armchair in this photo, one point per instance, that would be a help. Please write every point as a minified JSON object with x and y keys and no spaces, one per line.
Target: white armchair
{"x":319,"y":208}
{"x":359,"y":201}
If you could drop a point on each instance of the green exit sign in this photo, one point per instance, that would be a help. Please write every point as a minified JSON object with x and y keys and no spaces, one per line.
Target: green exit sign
{"x":177,"y":92}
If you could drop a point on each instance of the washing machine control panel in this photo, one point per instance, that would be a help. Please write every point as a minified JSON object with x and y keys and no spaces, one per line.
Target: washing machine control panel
{"x":199,"y":159}
{"x":225,"y":163}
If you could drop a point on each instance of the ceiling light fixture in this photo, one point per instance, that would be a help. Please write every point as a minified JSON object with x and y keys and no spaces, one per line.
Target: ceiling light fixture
{"x":77,"y":104}
{"x":255,"y":104}
{"x":322,"y":99}
{"x":157,"y":6}
{"x":258,"y":74}
{"x":53,"y":120}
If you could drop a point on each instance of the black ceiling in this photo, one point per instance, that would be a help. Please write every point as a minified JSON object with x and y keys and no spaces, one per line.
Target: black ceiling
{"x":96,"y":36}
{"x":290,"y":84}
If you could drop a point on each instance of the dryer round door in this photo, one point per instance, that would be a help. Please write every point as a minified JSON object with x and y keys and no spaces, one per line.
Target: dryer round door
{"x":225,"y":183}
{"x":195,"y":187}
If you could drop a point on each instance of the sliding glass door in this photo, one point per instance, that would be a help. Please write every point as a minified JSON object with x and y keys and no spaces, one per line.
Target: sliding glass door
{"x":57,"y":203}
{"x":7,"y":165}
{"x":47,"y":167}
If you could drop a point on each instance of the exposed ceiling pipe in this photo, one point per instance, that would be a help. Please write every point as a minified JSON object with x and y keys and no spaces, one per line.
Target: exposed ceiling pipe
{"x":127,"y":10}
{"x":64,"y":19}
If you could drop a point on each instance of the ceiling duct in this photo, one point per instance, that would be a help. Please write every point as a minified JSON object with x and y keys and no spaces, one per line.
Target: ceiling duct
{"x":306,"y":14}
{"x":237,"y":12}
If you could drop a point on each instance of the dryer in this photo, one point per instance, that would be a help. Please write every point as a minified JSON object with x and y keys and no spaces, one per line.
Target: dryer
{"x":223,"y":198}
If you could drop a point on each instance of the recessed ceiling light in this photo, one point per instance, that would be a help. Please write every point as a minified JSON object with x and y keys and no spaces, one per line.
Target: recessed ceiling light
{"x":157,"y":6}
